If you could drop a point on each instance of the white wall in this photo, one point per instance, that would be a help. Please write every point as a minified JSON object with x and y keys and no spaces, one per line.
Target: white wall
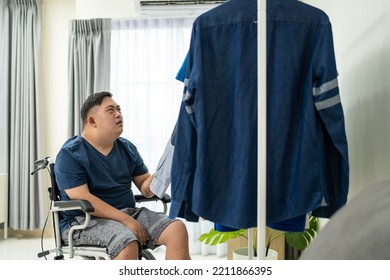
{"x":57,"y":14}
{"x":86,"y":9}
{"x":362,"y":48}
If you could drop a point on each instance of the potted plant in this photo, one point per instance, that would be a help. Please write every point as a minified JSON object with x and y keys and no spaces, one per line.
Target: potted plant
{"x":298,"y":240}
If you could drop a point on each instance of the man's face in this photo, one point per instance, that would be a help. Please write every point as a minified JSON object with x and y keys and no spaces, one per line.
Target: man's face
{"x":108,"y":117}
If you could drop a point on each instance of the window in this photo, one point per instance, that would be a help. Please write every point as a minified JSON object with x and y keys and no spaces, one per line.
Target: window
{"x":145,"y":58}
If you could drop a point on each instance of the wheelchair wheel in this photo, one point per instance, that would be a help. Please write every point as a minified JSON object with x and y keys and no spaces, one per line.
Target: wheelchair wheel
{"x":147,"y":255}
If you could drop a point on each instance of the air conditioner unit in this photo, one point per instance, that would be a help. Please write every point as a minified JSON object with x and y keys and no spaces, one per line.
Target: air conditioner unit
{"x":176,"y":6}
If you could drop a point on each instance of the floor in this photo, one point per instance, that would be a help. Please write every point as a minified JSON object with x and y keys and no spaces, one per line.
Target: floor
{"x":22,"y":248}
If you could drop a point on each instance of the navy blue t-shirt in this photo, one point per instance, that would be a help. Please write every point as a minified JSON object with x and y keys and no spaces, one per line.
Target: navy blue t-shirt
{"x":109,"y":177}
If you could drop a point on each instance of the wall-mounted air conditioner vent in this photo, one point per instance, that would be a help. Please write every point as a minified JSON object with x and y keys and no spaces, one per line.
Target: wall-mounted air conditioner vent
{"x":172,"y":6}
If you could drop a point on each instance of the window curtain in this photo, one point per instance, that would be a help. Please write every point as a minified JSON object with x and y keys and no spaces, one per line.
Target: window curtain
{"x":20,"y":129}
{"x":89,"y":64}
{"x":146,"y":55}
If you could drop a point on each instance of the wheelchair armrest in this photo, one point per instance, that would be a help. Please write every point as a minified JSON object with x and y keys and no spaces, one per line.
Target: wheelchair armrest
{"x":164,"y":200}
{"x":83,"y":205}
{"x":61,"y":206}
{"x":140,"y":198}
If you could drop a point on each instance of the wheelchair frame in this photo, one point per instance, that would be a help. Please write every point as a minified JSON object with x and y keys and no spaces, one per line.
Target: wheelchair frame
{"x":57,"y":206}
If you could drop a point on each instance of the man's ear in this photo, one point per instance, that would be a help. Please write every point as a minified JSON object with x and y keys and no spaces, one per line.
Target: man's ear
{"x":91,"y":120}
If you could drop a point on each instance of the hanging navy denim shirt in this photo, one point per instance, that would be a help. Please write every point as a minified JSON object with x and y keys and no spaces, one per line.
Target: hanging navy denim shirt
{"x":214,"y":169}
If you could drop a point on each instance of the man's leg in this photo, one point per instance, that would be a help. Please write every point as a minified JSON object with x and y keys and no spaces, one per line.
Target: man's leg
{"x":130,"y":252}
{"x":119,"y":240}
{"x":175,"y":238}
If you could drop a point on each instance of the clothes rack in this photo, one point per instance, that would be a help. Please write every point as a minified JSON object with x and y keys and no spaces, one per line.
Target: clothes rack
{"x":302,"y":100}
{"x":261,"y":127}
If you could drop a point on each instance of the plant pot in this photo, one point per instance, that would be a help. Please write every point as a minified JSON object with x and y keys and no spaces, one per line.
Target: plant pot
{"x":242,"y":254}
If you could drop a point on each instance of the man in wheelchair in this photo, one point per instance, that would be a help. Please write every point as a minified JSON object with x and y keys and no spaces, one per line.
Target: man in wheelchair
{"x":100,"y":166}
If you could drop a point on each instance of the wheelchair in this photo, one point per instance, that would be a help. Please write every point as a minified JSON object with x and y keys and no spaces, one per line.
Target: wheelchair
{"x":56,"y":206}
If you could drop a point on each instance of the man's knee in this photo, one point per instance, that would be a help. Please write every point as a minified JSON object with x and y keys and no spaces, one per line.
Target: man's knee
{"x":176,"y":231}
{"x":130,"y":252}
{"x":175,"y":237}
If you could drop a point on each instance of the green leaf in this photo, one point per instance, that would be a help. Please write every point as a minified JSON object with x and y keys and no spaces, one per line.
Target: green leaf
{"x":313,"y":223}
{"x":301,"y":240}
{"x":296,"y":239}
{"x":202,"y":237}
{"x":225,"y":238}
{"x":209,"y":238}
{"x":216,"y":240}
{"x":214,"y":237}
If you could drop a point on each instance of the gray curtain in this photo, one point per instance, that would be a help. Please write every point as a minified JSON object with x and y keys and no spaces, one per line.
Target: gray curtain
{"x":89,"y":64}
{"x":20,"y":132}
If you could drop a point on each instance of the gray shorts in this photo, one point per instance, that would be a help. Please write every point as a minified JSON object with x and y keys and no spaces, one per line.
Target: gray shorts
{"x":114,"y":235}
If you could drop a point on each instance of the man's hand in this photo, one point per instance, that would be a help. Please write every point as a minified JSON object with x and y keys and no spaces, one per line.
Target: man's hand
{"x":145,"y":187}
{"x":138,"y":230}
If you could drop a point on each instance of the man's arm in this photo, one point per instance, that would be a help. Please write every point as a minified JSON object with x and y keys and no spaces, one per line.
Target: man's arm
{"x":104,"y":210}
{"x":143,"y":182}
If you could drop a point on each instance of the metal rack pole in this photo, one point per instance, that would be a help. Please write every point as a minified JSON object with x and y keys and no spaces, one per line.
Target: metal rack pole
{"x":261,"y":126}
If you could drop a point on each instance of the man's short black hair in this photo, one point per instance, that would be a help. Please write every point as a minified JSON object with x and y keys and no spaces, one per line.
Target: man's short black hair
{"x":92,"y":100}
